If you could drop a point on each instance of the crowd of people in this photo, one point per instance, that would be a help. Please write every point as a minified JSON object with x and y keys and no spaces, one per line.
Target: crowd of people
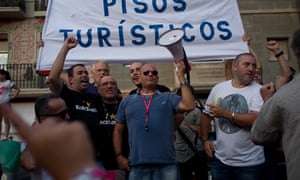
{"x":88,"y":130}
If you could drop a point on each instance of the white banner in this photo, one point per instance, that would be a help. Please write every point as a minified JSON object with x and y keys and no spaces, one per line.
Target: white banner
{"x":121,"y":31}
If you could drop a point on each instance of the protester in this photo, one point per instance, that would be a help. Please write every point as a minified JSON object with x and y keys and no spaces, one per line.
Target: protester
{"x":49,"y":109}
{"x":259,"y":67}
{"x":108,"y":90}
{"x":279,"y":116}
{"x":286,"y":71}
{"x":82,"y":106}
{"x":63,"y":149}
{"x":190,"y":153}
{"x":273,"y":152}
{"x":6,"y":87}
{"x":135,"y":74}
{"x":149,"y":115}
{"x":99,"y":69}
{"x":234,"y":156}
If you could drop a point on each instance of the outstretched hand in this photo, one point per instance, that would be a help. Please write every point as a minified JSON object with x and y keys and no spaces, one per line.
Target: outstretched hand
{"x":70,"y":42}
{"x":180,"y":69}
{"x":63,"y":149}
{"x":273,"y":46}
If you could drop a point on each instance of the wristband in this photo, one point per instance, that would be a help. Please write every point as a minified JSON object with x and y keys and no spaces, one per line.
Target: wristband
{"x":184,"y":82}
{"x":233,"y":117}
{"x":279,"y":54}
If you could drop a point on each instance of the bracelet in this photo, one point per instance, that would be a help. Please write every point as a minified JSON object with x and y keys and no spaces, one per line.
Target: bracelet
{"x":279,"y":54}
{"x":233,"y":117}
{"x":184,"y":82}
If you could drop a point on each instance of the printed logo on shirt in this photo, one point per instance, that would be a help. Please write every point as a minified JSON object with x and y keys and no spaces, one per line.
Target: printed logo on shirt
{"x":106,"y":122}
{"x":84,"y":108}
{"x":3,"y":88}
{"x":234,"y":103}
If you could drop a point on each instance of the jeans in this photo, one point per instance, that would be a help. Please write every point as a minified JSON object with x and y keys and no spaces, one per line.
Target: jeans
{"x":194,"y":168}
{"x":221,"y":171}
{"x":154,"y":172}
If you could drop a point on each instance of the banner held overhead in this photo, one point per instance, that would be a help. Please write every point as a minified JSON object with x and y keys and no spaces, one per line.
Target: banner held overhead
{"x":126,"y":31}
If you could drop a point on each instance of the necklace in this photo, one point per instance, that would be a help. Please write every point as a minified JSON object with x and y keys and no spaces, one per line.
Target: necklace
{"x":110,"y":115}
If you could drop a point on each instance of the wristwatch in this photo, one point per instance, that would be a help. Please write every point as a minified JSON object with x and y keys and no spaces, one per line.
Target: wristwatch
{"x":279,"y":54}
{"x":184,"y":83}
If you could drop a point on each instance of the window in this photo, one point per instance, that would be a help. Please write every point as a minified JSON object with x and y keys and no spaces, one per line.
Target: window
{"x":3,"y":48}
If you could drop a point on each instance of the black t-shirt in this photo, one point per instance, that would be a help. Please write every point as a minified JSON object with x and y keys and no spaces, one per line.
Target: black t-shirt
{"x":159,"y":87}
{"x":82,"y":107}
{"x":106,"y":122}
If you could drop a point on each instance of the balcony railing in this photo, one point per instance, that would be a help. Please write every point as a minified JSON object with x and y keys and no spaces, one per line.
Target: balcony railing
{"x":24,"y":75}
{"x":41,"y":5}
{"x":12,"y":9}
{"x":13,"y":3}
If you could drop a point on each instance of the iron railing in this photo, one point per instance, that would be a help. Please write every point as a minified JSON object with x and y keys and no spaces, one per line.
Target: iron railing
{"x":41,"y":5}
{"x":24,"y":75}
{"x":13,"y":3}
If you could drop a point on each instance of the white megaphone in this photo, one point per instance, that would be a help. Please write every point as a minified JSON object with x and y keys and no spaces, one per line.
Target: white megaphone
{"x":171,"y":39}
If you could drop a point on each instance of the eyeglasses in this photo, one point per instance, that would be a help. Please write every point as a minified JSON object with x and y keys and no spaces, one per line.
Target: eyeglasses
{"x":61,"y":114}
{"x":154,"y":73}
{"x":112,"y":83}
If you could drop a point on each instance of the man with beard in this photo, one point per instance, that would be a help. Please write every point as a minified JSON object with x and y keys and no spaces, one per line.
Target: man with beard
{"x":81,"y":105}
{"x":235,"y":155}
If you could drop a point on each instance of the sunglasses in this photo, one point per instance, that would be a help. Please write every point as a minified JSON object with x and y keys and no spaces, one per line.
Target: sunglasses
{"x":154,"y":73}
{"x":61,"y":114}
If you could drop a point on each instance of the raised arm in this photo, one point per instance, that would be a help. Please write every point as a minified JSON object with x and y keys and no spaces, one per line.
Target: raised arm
{"x":54,"y":81}
{"x":188,"y":102}
{"x":283,"y":64}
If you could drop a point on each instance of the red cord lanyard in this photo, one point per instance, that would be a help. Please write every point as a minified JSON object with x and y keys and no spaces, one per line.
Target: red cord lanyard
{"x":147,"y":107}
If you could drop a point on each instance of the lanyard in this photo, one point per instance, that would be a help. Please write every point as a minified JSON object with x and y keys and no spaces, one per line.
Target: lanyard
{"x":147,"y":107}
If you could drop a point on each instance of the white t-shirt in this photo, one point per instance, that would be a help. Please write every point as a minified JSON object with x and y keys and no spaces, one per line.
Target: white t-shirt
{"x":5,"y":90}
{"x":233,"y":144}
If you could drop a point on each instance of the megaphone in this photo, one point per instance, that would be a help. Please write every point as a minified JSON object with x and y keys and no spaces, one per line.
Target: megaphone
{"x":172,"y":40}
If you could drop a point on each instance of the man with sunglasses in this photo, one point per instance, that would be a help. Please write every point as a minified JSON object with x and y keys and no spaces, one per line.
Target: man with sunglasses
{"x":135,"y":74}
{"x":81,"y":105}
{"x":60,"y":147}
{"x":149,"y":116}
{"x":49,"y":109}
